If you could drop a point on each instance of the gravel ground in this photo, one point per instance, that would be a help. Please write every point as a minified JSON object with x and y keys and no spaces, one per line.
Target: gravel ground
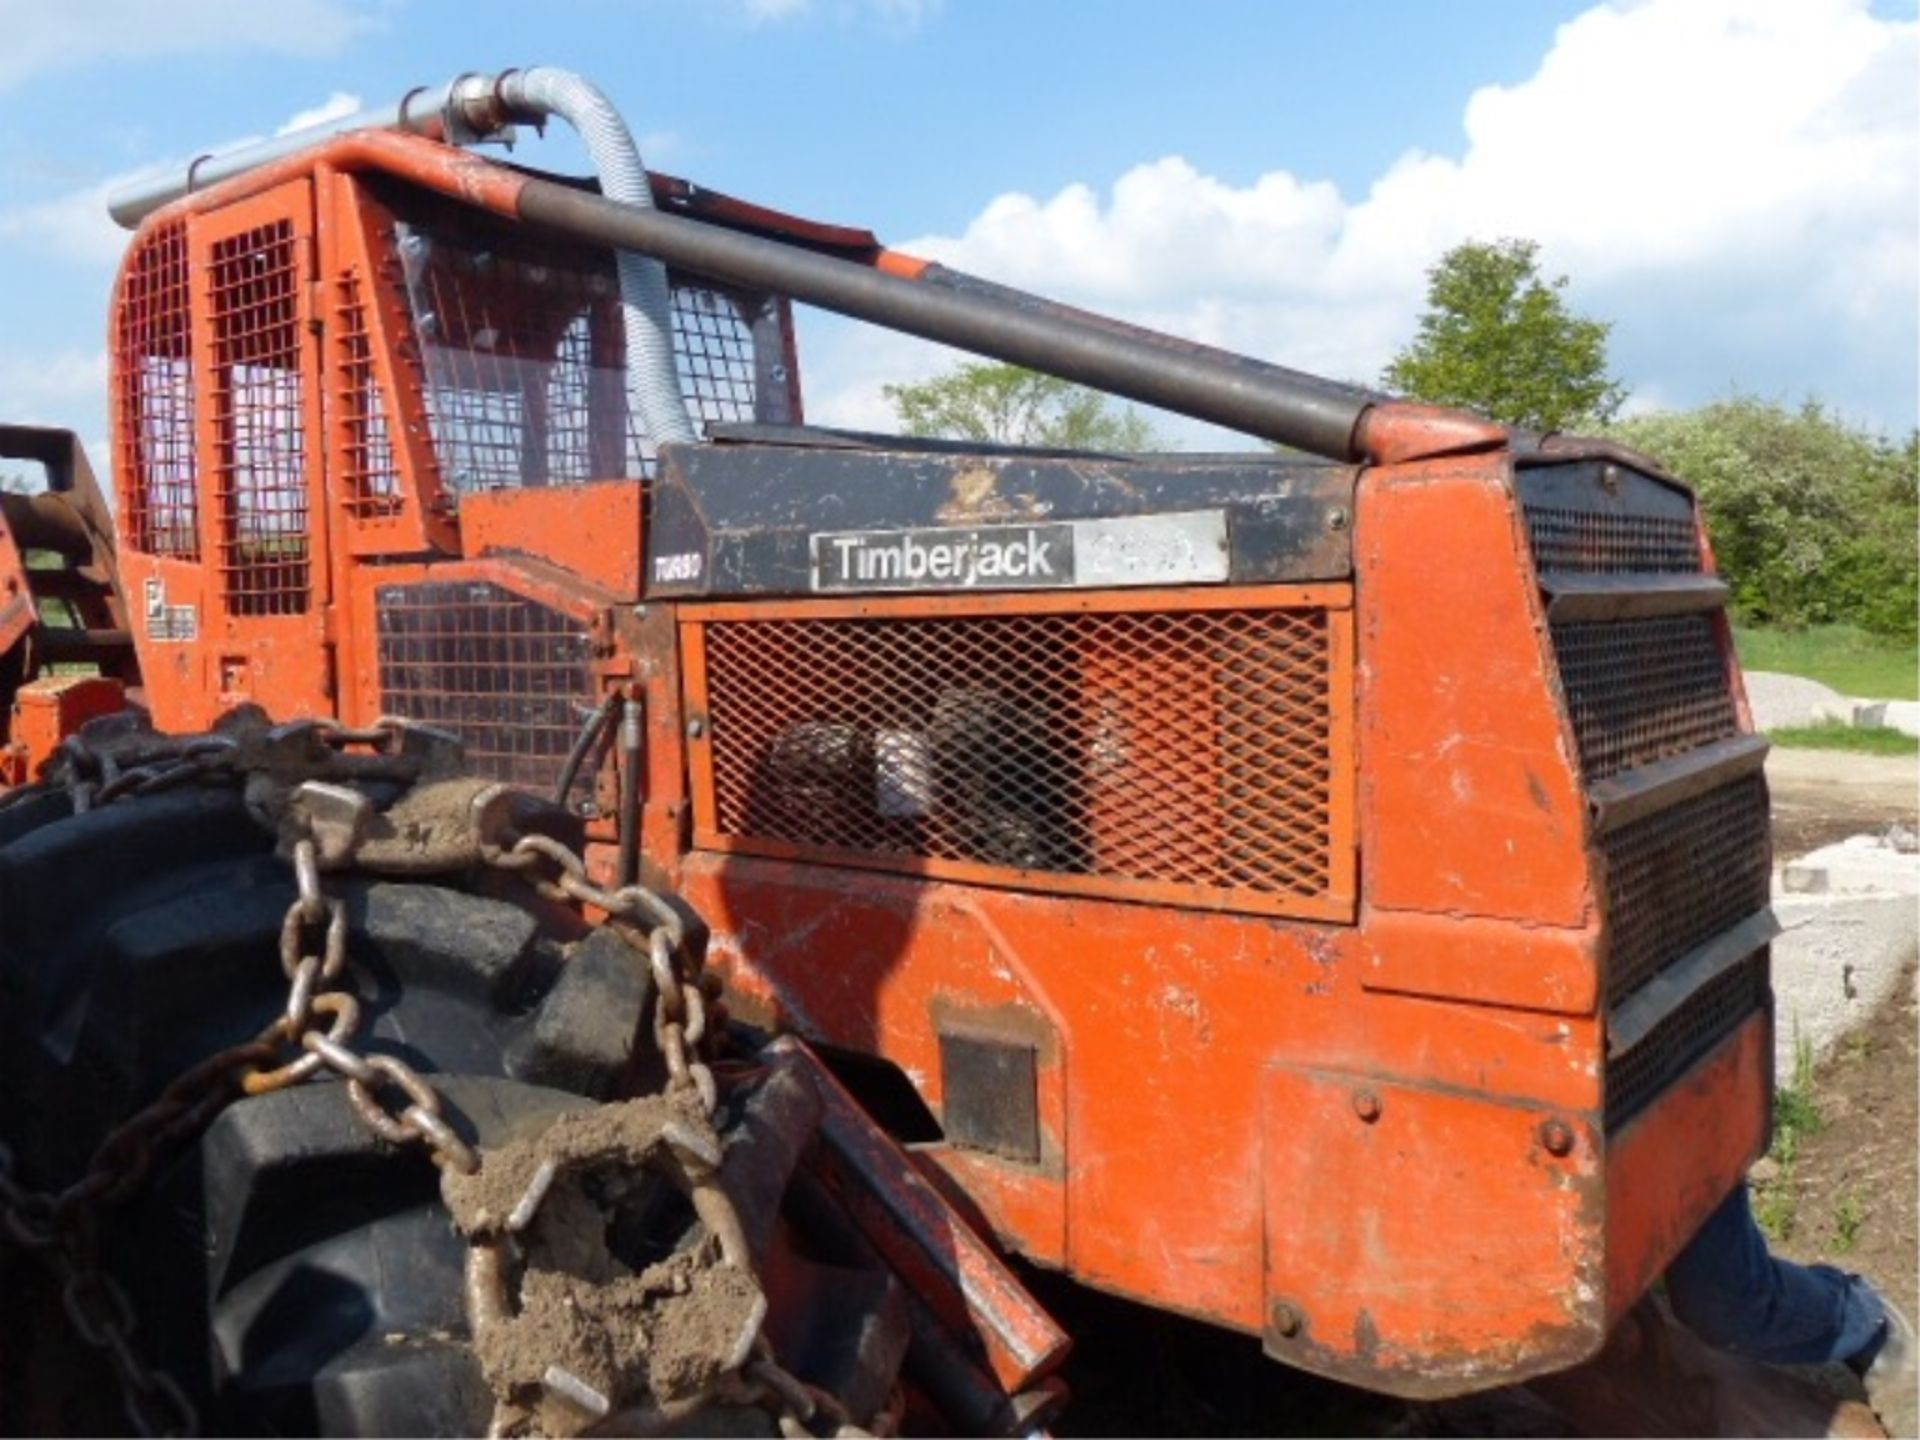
{"x":1782,"y":700}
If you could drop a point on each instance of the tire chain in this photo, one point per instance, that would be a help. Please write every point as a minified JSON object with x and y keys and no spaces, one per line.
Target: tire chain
{"x":316,"y":1029}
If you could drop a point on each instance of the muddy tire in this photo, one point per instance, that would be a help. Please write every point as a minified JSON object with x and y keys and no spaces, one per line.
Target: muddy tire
{"x":292,"y":1271}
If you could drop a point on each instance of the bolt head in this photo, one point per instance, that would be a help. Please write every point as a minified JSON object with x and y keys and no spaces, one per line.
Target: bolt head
{"x":1556,"y":1137}
{"x":697,"y":726}
{"x":1284,"y":1320}
{"x":1337,"y":518}
{"x":1366,"y":1105}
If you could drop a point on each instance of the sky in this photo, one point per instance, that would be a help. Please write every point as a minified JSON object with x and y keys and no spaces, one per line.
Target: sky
{"x":1735,"y":184}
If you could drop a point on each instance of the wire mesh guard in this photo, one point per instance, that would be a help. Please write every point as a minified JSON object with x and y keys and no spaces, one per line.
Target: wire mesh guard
{"x":153,"y":395}
{"x":1188,"y":748}
{"x":507,"y":675}
{"x":1681,"y":876}
{"x":371,"y":475}
{"x":259,"y":406}
{"x":1587,"y":542}
{"x":1640,"y":691}
{"x":1694,"y":1027}
{"x":524,"y":358}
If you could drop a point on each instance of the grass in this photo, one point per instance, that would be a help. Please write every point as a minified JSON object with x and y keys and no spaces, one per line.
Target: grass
{"x":1796,"y":1115}
{"x":1832,"y":735}
{"x":1849,"y":659}
{"x":1848,"y":1212}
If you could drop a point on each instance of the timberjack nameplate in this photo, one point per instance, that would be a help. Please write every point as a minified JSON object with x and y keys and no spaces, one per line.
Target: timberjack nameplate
{"x":1180,"y":549}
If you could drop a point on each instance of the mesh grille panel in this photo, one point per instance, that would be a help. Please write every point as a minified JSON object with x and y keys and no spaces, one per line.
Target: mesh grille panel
{"x":259,"y":409}
{"x":508,"y":676}
{"x":1588,"y":542}
{"x":372,"y":479}
{"x":1643,"y":690}
{"x":1189,"y":748}
{"x":1680,"y":876}
{"x":1705,"y":1018}
{"x":523,"y":355}
{"x":153,"y":395}
{"x":714,"y":349}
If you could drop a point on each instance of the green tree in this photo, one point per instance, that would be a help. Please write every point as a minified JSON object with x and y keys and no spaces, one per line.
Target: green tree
{"x":1008,"y":405}
{"x":1499,"y":339}
{"x":1813,"y":520}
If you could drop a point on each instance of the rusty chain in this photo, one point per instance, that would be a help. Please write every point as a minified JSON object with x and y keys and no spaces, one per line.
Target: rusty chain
{"x":685,"y":1017}
{"x":316,"y":1030}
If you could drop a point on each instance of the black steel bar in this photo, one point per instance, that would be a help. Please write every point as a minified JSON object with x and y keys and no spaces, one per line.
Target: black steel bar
{"x":1632,"y":794}
{"x":1633,"y":1019}
{"x":1583,"y":598}
{"x":1306,"y":412}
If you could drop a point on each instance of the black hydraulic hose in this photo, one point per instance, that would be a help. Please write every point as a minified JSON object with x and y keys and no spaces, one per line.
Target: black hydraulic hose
{"x":583,"y":744}
{"x":1271,"y":402}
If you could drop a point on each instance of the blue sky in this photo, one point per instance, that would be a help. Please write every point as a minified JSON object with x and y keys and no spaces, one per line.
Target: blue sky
{"x":1731,"y":181}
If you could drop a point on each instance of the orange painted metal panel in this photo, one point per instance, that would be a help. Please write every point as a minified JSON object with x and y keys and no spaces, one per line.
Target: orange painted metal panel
{"x":1674,"y":1162}
{"x":177,"y":673}
{"x":592,"y":530}
{"x":1423,"y":1240}
{"x":1492,"y":962}
{"x":1164,"y":1021}
{"x":1470,"y":792}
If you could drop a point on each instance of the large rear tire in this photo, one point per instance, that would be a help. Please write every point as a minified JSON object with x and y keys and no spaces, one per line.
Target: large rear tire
{"x":292,"y":1271}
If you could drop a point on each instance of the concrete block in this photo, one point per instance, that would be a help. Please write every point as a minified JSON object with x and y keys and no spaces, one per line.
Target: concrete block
{"x":1858,"y":865}
{"x":1901,"y":715}
{"x":1838,"y":956}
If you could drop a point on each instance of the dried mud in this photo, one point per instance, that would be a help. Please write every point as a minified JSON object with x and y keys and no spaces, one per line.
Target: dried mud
{"x":662,"y":1335}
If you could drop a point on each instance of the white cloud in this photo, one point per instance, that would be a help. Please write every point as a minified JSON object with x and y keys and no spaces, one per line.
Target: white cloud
{"x":1733,"y":181}
{"x":336,"y":106}
{"x":74,"y":227}
{"x":42,"y":37}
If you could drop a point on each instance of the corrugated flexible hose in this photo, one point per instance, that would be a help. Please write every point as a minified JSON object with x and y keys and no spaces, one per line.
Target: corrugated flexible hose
{"x":653,"y":379}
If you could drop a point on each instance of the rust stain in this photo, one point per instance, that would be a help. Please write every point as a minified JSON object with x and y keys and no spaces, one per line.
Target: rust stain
{"x":976,"y":496}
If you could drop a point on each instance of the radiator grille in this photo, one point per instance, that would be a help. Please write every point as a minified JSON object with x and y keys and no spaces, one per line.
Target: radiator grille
{"x":1682,"y":875}
{"x":153,"y":394}
{"x":259,"y":412}
{"x":1699,"y":1023}
{"x":1189,"y":749}
{"x":508,"y":676}
{"x":1643,"y":690}
{"x":371,"y":478}
{"x":1592,"y":542}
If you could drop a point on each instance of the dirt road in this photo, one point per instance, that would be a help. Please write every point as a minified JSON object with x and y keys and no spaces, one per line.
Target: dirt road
{"x":1820,"y":796}
{"x":1853,"y":1186}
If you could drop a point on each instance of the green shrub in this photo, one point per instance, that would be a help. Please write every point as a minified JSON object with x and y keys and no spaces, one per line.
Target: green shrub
{"x":1813,"y":519}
